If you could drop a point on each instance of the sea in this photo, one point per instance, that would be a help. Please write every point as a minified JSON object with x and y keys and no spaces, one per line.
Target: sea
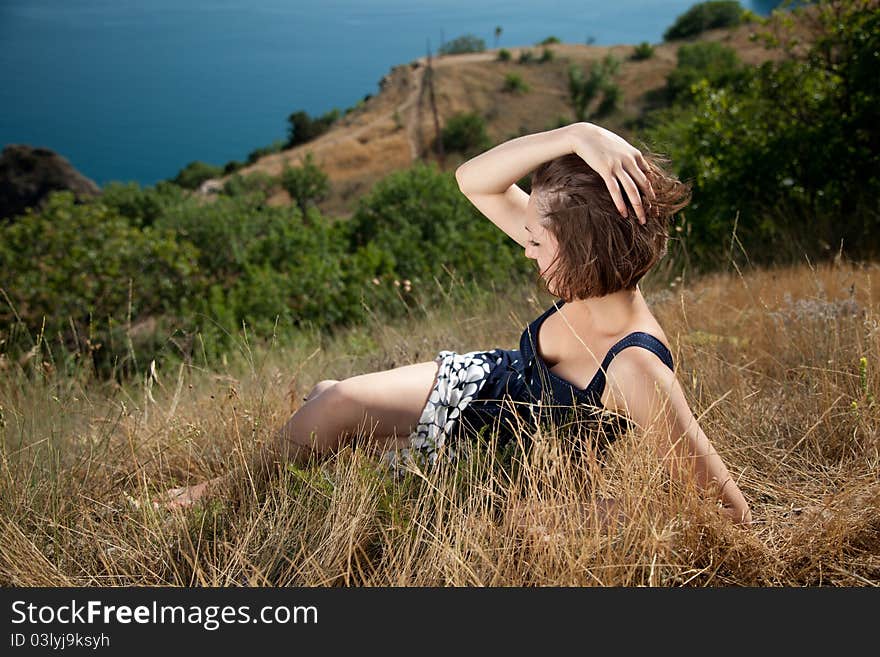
{"x":131,"y":90}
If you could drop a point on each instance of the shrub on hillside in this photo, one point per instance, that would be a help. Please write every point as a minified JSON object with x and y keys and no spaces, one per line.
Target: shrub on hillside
{"x":73,"y":272}
{"x":789,"y":151}
{"x":195,"y":173}
{"x":547,"y":55}
{"x":599,"y":84}
{"x":643,"y":51}
{"x":255,"y":183}
{"x":141,"y":206}
{"x":465,"y":133}
{"x":463,"y":44}
{"x":303,"y":128}
{"x":513,"y":83}
{"x":276,"y":147}
{"x":306,"y":184}
{"x":704,"y":60}
{"x":418,"y":224}
{"x":705,"y":16}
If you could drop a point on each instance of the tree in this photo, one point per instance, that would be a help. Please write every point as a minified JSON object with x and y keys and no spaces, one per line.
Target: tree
{"x":584,"y":90}
{"x":497,"y":34}
{"x":790,"y":150}
{"x":465,"y":133}
{"x":462,"y":44}
{"x":303,"y":128}
{"x":305,"y":184}
{"x":705,"y":16}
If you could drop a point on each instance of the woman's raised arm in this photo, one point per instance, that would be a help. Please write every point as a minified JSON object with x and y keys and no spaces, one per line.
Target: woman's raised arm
{"x":495,"y":171}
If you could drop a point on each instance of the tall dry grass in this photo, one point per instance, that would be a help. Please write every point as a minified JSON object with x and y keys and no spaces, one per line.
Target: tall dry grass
{"x":780,"y":367}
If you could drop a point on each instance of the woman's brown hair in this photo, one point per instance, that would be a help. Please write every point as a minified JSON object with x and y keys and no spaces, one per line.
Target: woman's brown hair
{"x":600,"y":251}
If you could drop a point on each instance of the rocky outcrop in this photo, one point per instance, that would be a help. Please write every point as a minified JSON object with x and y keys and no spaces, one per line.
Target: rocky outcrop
{"x":28,"y":175}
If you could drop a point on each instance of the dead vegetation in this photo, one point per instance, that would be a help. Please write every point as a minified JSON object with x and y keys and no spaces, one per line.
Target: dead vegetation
{"x":780,"y":367}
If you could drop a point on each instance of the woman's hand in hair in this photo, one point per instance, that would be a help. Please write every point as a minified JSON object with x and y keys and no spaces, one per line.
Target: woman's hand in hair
{"x":618,"y":162}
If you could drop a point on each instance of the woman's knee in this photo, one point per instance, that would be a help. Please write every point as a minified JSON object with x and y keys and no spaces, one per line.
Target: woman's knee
{"x":319,"y":388}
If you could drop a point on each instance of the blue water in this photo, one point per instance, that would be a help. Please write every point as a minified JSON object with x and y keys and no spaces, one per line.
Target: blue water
{"x":133,"y":91}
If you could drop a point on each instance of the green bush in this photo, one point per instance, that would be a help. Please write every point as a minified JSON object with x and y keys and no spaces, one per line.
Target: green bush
{"x":526,"y":56}
{"x":549,"y":40}
{"x":304,"y":128}
{"x":789,"y":151}
{"x":514,"y":83}
{"x":141,"y":206}
{"x":465,"y":133}
{"x":643,"y":51}
{"x":68,"y":272}
{"x":276,"y":147}
{"x":195,"y":173}
{"x":306,"y":184}
{"x":232,"y":166}
{"x":547,"y":55}
{"x":504,"y":55}
{"x":463,"y":44}
{"x":416,"y":223}
{"x":256,"y":183}
{"x":599,"y":84}
{"x":704,"y":60}
{"x":705,"y":16}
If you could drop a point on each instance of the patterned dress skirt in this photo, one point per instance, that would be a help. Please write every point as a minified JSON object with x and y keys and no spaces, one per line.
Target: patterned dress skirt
{"x":459,"y":379}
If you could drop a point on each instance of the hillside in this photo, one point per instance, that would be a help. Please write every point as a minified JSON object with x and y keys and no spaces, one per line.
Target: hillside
{"x":396,"y":126}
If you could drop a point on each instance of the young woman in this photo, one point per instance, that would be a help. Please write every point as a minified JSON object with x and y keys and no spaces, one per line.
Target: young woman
{"x":577,"y":225}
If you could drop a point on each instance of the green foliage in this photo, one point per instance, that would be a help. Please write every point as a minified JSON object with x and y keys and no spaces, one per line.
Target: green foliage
{"x":232,"y":166}
{"x":418,"y":224}
{"x":704,"y":60}
{"x":276,"y":147}
{"x":514,"y":83}
{"x":195,"y":173}
{"x":526,"y":56}
{"x":705,"y":16}
{"x":465,"y":133}
{"x":257,"y":184}
{"x":303,"y":128}
{"x":599,"y":84}
{"x":643,"y":51}
{"x":504,"y":55}
{"x":68,"y":272}
{"x":306,"y":184}
{"x":141,"y":206}
{"x":549,"y":40}
{"x":462,"y":44}
{"x":790,"y":150}
{"x":547,"y":55}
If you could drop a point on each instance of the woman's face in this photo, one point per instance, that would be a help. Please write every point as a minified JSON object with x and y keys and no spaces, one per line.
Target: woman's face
{"x":541,"y":246}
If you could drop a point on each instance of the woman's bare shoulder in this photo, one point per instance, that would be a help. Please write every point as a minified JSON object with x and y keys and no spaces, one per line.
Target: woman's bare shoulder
{"x":634,"y":368}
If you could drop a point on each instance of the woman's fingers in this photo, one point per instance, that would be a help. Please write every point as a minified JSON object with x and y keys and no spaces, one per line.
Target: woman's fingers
{"x":637,"y":170}
{"x":632,"y":192}
{"x":614,"y":189}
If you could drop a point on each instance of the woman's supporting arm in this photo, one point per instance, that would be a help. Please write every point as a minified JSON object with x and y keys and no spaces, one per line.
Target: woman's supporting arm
{"x":649,"y":393}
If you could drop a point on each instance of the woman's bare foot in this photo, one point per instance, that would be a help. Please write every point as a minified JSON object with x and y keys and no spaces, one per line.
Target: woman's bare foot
{"x":187,"y":496}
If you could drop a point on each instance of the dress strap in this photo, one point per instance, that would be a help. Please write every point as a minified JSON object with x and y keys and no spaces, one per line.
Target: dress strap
{"x":634,"y":339}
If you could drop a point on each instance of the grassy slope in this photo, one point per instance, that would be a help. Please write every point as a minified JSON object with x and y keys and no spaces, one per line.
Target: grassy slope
{"x":769,"y":361}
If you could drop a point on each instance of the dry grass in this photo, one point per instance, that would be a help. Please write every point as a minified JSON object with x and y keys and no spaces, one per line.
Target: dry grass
{"x":769,"y":360}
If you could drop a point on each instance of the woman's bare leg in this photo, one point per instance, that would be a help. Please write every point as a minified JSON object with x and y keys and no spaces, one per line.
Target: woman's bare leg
{"x":379,"y":406}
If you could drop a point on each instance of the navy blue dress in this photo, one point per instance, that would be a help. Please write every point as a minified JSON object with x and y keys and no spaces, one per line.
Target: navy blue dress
{"x":511,"y":392}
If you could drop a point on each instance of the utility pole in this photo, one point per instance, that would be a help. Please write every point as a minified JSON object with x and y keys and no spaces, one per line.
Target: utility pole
{"x":429,"y":75}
